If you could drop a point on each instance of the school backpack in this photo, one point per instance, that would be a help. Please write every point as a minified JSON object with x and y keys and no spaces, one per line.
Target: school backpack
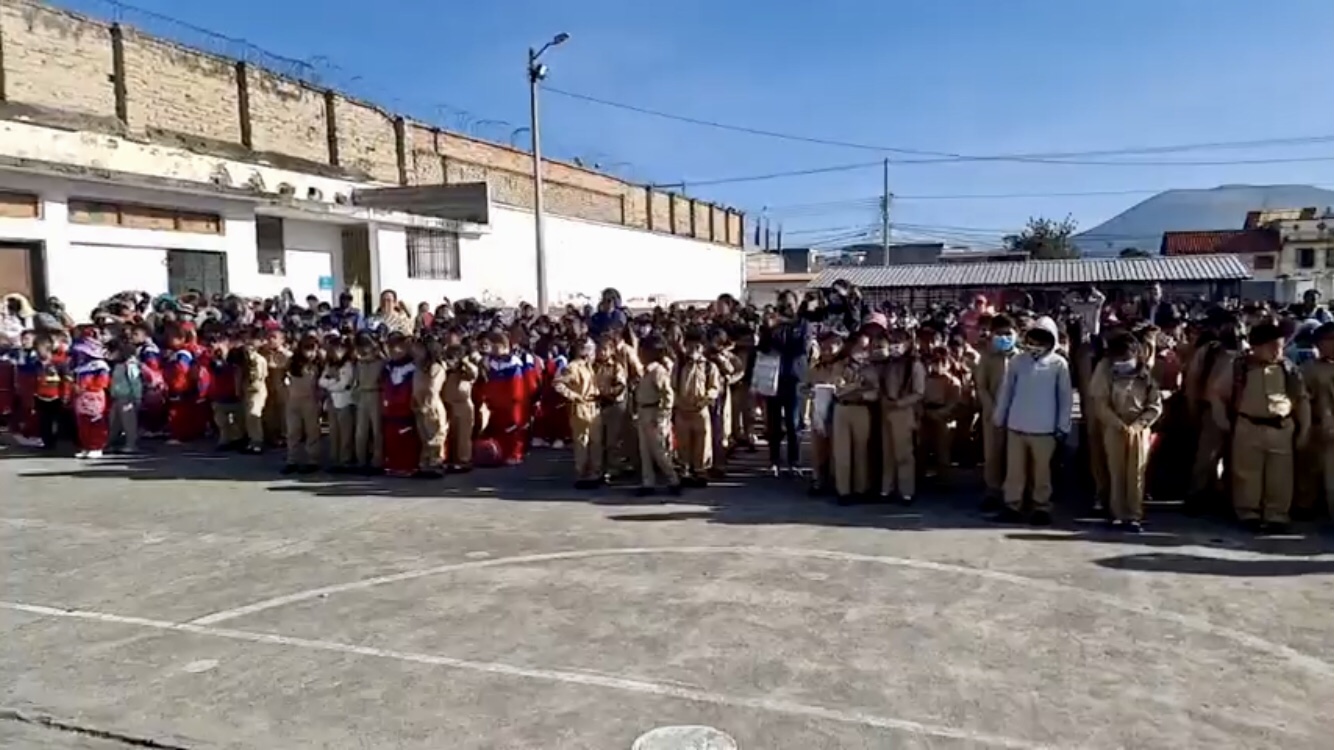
{"x":1292,"y":380}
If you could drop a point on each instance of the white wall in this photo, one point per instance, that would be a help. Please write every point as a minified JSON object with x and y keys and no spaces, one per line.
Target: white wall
{"x":497,"y":263}
{"x":86,"y":263}
{"x":311,"y":249}
{"x":583,"y":258}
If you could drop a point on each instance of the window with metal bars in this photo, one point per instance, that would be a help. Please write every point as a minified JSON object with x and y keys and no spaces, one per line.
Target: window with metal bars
{"x":432,"y":254}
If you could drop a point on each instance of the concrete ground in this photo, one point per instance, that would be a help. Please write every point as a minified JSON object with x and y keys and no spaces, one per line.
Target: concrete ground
{"x":196,"y":601}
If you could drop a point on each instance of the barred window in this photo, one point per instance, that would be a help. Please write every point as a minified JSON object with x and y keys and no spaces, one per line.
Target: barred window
{"x":432,"y":254}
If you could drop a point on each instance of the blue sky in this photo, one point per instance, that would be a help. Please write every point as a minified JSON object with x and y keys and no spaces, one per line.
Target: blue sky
{"x":959,"y":76}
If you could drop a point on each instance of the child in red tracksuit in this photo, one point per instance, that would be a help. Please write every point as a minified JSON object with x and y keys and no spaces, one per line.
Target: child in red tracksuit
{"x":91,"y":380}
{"x":505,"y":394}
{"x":402,"y":445}
{"x":153,"y":409}
{"x":551,"y":421}
{"x":46,"y":371}
{"x":180,"y":374}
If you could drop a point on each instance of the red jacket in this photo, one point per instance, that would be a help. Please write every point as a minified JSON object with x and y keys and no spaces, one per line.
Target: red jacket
{"x":396,"y":390}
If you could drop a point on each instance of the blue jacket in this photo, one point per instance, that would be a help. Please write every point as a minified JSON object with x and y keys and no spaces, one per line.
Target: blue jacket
{"x":602,"y":321}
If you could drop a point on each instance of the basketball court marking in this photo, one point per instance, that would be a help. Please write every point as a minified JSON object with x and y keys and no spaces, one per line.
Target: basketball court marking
{"x":1297,"y":658}
{"x":611,"y":682}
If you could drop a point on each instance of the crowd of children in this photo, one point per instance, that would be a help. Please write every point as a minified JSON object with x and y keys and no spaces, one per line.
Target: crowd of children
{"x":668,"y":395}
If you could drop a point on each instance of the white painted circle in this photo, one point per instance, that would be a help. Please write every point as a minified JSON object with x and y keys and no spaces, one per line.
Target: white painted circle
{"x":203,"y":665}
{"x":685,"y":738}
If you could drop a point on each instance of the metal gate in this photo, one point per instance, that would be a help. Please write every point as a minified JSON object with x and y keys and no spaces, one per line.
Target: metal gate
{"x":198,"y":271}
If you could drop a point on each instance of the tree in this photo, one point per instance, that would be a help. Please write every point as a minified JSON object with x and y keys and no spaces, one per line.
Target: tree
{"x":1134,"y":252}
{"x":1045,"y":239}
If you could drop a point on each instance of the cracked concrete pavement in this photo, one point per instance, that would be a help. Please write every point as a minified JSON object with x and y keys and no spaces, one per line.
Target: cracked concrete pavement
{"x":203,"y":602}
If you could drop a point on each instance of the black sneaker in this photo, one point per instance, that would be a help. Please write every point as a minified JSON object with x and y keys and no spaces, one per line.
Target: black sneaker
{"x":645,"y":491}
{"x":1040,"y":518}
{"x":1252,"y":525}
{"x":1133,"y":527}
{"x":1008,"y":515}
{"x":307,"y":469}
{"x":674,"y":489}
{"x":289,"y":469}
{"x":1275,"y":527}
{"x":426,"y":474}
{"x":992,"y":504}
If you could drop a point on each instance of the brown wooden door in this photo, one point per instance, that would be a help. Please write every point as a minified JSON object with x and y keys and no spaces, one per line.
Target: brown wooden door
{"x":16,"y":271}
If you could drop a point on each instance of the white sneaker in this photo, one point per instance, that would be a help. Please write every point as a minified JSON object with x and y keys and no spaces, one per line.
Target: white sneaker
{"x":93,"y":454}
{"x":539,"y":443}
{"x":558,"y":445}
{"x":81,"y":454}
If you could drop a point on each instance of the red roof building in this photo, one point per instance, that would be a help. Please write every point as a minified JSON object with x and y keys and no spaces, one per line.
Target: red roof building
{"x":1233,"y":241}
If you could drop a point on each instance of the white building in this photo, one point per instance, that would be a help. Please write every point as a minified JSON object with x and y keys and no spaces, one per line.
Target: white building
{"x":1305,"y":258}
{"x":85,"y":215}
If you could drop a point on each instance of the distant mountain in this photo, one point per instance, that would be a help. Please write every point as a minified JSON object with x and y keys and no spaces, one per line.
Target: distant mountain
{"x":1224,"y":207}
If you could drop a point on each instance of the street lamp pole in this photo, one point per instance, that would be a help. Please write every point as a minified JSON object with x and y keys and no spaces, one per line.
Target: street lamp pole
{"x":536,"y":73}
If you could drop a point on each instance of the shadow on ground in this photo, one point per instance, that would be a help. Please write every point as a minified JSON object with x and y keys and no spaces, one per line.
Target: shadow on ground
{"x":748,"y":496}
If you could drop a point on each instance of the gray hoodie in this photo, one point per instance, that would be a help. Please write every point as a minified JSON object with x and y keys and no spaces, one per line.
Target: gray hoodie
{"x":1036,"y":397}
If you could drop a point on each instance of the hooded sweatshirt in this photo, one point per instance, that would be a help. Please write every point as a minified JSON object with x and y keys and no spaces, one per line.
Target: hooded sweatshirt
{"x":1036,"y":397}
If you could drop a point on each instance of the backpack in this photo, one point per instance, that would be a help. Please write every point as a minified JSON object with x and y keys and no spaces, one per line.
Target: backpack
{"x":1292,"y":381}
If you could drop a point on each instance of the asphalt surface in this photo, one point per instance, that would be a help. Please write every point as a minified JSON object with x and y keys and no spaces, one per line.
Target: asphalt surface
{"x":197,"y":601}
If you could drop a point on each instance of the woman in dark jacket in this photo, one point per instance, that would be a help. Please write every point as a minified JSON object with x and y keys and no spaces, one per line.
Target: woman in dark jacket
{"x":786,"y":335}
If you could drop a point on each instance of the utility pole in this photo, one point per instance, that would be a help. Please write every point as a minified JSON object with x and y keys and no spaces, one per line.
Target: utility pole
{"x":537,"y":72}
{"x":884,"y":217}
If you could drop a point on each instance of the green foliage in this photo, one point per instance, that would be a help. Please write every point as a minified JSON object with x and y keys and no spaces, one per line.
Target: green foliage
{"x":1045,"y":239}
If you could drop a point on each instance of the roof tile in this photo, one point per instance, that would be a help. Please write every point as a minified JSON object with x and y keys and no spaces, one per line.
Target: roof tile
{"x":1243,"y":241}
{"x":1219,"y":267}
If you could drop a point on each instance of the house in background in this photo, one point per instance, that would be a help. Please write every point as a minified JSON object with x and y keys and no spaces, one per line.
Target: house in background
{"x":1258,"y":247}
{"x":1306,"y":257}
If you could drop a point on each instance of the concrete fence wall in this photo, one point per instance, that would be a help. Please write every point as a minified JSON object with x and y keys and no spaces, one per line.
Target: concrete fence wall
{"x":64,"y":69}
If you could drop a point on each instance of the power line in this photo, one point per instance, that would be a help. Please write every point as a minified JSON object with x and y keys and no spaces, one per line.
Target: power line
{"x":770,"y":176}
{"x":946,"y":156}
{"x":851,"y":167}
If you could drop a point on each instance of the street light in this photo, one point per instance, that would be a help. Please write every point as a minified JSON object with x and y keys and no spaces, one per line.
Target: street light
{"x":537,"y":72}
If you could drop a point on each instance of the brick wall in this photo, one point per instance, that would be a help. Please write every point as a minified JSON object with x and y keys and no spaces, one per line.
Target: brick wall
{"x":69,"y":70}
{"x":286,"y":116}
{"x":56,"y":59}
{"x":177,"y":93}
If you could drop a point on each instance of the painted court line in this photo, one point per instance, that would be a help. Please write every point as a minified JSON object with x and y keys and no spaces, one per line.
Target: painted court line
{"x":1250,"y":641}
{"x":609,"y":682}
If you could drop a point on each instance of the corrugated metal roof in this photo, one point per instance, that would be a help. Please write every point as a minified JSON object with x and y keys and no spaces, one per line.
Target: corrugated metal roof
{"x":1041,"y":272}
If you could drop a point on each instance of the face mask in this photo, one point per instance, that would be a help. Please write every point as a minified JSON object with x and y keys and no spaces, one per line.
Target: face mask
{"x":858,"y":357}
{"x":1126,"y":367}
{"x":897,"y":350}
{"x":1002,"y":343}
